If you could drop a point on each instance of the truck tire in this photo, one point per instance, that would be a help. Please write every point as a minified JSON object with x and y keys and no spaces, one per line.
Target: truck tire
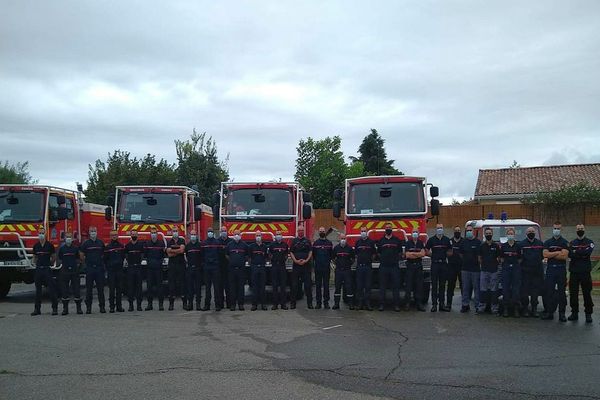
{"x":4,"y":289}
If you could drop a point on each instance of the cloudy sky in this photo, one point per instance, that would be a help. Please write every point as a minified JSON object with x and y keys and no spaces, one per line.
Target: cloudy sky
{"x":453,"y":86}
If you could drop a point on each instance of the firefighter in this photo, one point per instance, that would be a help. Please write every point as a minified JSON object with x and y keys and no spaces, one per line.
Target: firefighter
{"x":343,"y":254}
{"x":92,"y":254}
{"x":510,"y":254}
{"x":224,"y":239}
{"x":301,"y":253}
{"x":114,"y":255}
{"x":258,"y":274}
{"x":532,"y":267}
{"x":322,"y":252}
{"x":278,"y":253}
{"x":175,"y":252}
{"x":454,"y":267}
{"x":438,"y":247}
{"x":211,"y":256}
{"x":470,"y":251}
{"x":68,"y":262}
{"x":193,"y":272}
{"x":580,"y":267}
{"x":365,"y":251}
{"x":556,"y":250}
{"x":415,"y":251}
{"x":237,"y":255}
{"x":43,"y":259}
{"x":389,"y":249}
{"x":134,"y":250}
{"x":154,"y":251}
{"x":488,"y":281}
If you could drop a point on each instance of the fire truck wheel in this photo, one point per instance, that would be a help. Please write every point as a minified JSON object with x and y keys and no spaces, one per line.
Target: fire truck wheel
{"x":4,"y":289}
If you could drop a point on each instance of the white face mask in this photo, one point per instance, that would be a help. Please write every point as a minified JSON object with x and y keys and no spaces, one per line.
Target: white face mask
{"x":363,"y":235}
{"x":223,"y":234}
{"x":41,"y":236}
{"x":237,"y":238}
{"x":175,"y":235}
{"x":278,"y":238}
{"x":415,"y":235}
{"x":439,"y":231}
{"x":258,"y":239}
{"x":211,"y":235}
{"x":342,"y":242}
{"x":93,"y":235}
{"x":153,"y":236}
{"x":68,"y":241}
{"x":193,"y":238}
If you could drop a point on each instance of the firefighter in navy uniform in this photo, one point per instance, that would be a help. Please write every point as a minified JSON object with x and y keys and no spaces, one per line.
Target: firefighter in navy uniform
{"x":510,"y":253}
{"x":134,"y":250}
{"x":301,"y":253}
{"x":438,"y":247}
{"x":556,"y":250}
{"x":488,"y":282}
{"x":389,"y":249}
{"x":43,"y":259}
{"x":258,"y":272}
{"x":154,"y":252}
{"x":114,"y":255}
{"x":211,"y":256}
{"x":278,"y":253}
{"x":175,"y":252}
{"x":322,"y":251}
{"x":224,"y":239}
{"x":454,"y":267}
{"x":364,"y":250}
{"x":580,"y":267}
{"x":343,"y":255}
{"x":68,"y":261}
{"x":92,"y":254}
{"x":193,"y":273}
{"x":415,"y":251}
{"x":532,"y":283}
{"x":237,"y":255}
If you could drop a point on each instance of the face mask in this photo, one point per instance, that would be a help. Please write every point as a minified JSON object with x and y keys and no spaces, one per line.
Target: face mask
{"x":363,"y":235}
{"x":342,"y":242}
{"x":223,"y":235}
{"x":68,"y":241}
{"x":211,"y":235}
{"x":439,"y":231}
{"x":322,"y":235}
{"x":510,"y":237}
{"x":93,"y":235}
{"x":193,"y":238}
{"x":456,"y":235}
{"x":531,"y":235}
{"x":469,"y":234}
{"x":258,"y":239}
{"x":237,"y":238}
{"x":134,"y":238}
{"x":556,"y":232}
{"x":175,"y":235}
{"x":153,"y":236}
{"x":42,"y":236}
{"x":580,"y":233}
{"x":388,"y":232}
{"x":278,"y":238}
{"x":114,"y":239}
{"x":488,"y":238}
{"x":415,"y":235}
{"x":300,"y":235}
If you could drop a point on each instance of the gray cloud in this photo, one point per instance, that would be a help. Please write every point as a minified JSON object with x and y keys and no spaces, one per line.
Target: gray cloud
{"x":453,"y":86}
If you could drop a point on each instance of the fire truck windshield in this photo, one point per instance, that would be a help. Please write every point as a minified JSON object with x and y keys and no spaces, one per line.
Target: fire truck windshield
{"x":150,"y":207}
{"x":246,"y":203}
{"x":390,"y":198}
{"x":21,"y":206}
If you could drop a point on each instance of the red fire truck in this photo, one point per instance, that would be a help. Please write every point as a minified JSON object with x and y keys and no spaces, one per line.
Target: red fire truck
{"x":266,"y":207}
{"x":373,"y":201}
{"x":25,"y":209}
{"x":163,"y":207}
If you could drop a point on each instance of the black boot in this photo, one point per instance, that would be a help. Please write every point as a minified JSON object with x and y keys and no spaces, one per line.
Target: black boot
{"x":55,"y":309}
{"x":78,"y":306}
{"x":588,"y":318}
{"x":369,"y":306}
{"x":561,"y":317}
{"x":130,"y":306}
{"x":36,"y":311}
{"x":318,"y":307}
{"x":198,"y":306}
{"x":573,"y":317}
{"x":149,"y":307}
{"x":139,"y":306}
{"x":336,"y":305}
{"x":102,"y":309}
{"x":534,"y":312}
{"x":171,"y":304}
{"x":309,"y":304}
{"x":111,"y":309}
{"x":326,"y":305}
{"x":65,"y":310}
{"x":88,"y":308}
{"x":161,"y":306}
{"x":293,"y":305}
{"x":434,"y":308}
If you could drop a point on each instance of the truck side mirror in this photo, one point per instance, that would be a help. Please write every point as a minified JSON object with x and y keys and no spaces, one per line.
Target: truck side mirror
{"x":60,"y":200}
{"x":337,"y":209}
{"x":306,"y":197}
{"x":108,"y":213}
{"x":61,"y":213}
{"x":306,"y":211}
{"x":110,"y":200}
{"x":434,"y":191}
{"x":197,"y":201}
{"x":197,"y":213}
{"x":338,"y":194}
{"x":435,"y":207}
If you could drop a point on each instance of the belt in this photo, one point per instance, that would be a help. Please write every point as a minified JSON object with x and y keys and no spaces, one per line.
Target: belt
{"x":42,"y":267}
{"x":439,"y":261}
{"x":556,"y":265}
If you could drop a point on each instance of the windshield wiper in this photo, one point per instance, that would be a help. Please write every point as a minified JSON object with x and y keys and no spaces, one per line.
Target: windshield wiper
{"x":158,"y":219}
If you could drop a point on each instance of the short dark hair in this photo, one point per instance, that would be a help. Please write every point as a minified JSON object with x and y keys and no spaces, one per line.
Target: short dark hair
{"x":557,"y":222}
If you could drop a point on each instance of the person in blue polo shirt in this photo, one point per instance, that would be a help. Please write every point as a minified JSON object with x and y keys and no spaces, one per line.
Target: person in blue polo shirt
{"x":470,"y":251}
{"x":510,"y":253}
{"x":556,"y":250}
{"x":580,"y":267}
{"x":92,"y":254}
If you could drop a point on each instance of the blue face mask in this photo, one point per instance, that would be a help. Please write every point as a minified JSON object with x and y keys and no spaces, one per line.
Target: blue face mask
{"x":415,"y":235}
{"x":211,"y":235}
{"x":510,"y":237}
{"x":556,"y":232}
{"x":469,"y":235}
{"x":439,"y":231}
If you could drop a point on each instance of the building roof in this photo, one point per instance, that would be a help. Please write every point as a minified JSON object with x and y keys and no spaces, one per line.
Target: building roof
{"x":513,"y":182}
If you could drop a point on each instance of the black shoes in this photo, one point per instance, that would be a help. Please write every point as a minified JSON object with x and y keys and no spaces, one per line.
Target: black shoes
{"x":434,"y":308}
{"x":573,"y":317}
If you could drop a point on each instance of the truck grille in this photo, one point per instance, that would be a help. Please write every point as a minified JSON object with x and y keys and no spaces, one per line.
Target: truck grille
{"x":9,"y":255}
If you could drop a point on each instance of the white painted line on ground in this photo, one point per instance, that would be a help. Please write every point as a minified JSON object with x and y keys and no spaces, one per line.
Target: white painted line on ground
{"x":186,"y":313}
{"x":331,"y":327}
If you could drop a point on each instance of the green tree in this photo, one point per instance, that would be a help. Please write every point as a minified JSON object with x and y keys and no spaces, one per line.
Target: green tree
{"x":579,"y":193}
{"x":374,"y":157}
{"x":320,"y":168}
{"x":121,"y":168}
{"x":15,"y":173}
{"x":199,"y":164}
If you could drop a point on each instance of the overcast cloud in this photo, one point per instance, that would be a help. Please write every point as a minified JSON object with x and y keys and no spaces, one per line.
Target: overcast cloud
{"x":453,"y":86}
